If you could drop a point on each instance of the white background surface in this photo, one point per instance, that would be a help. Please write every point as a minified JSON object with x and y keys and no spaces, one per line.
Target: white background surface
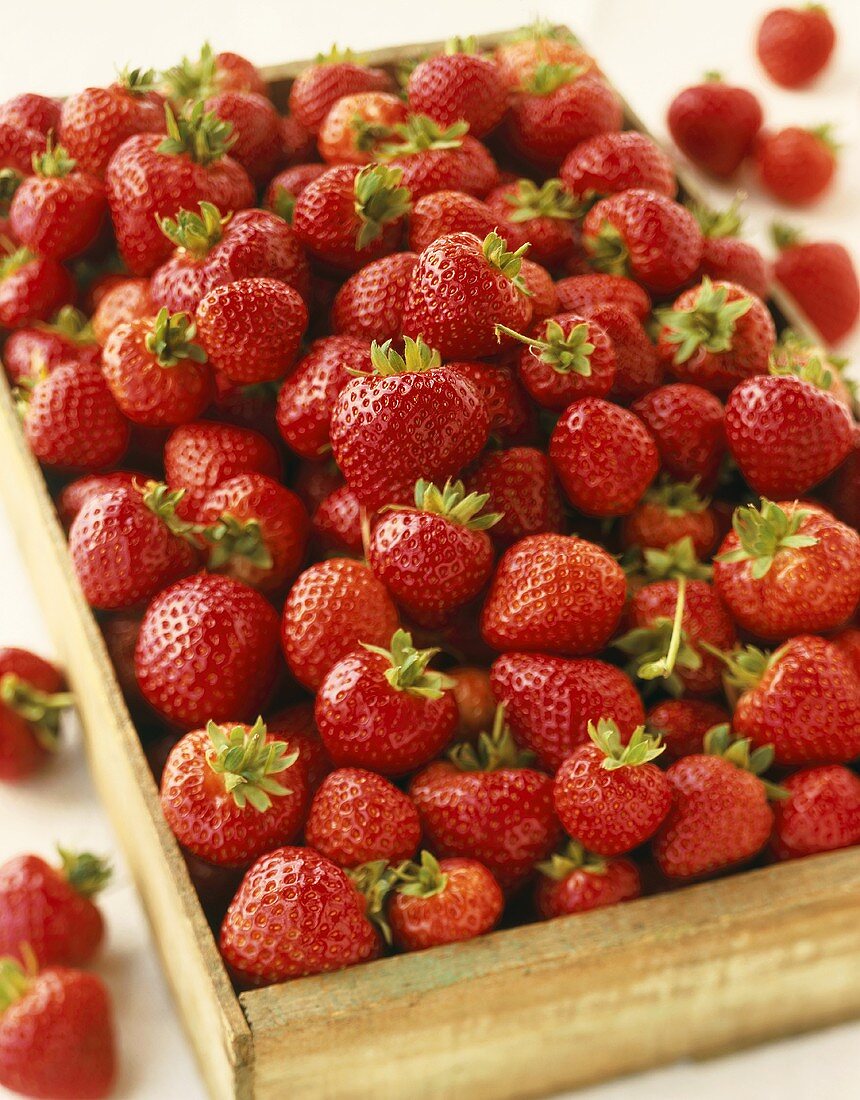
{"x":649,"y":51}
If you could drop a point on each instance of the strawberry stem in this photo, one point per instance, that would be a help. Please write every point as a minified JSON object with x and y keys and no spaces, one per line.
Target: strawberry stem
{"x":640,"y":749}
{"x":494,"y":750}
{"x":763,"y":532}
{"x":54,"y":162}
{"x":170,"y":339}
{"x":161,"y":500}
{"x":419,"y":133}
{"x":14,"y":983}
{"x":570,"y":354}
{"x":408,"y":667}
{"x":248,"y":760}
{"x":607,"y":250}
{"x":41,"y":709}
{"x":708,"y":324}
{"x":85,"y":873}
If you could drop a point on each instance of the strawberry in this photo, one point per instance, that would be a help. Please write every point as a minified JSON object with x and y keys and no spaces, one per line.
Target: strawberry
{"x":795,"y":44}
{"x":794,"y":165}
{"x":820,"y":277}
{"x":686,"y":423}
{"x":848,"y":641}
{"x":10,"y":181}
{"x":383,"y":709}
{"x":295,"y":725}
{"x":804,"y":699}
{"x":157,"y":374}
{"x":521,"y":489}
{"x":715,"y":125}
{"x":297,"y":144}
{"x":71,"y":420}
{"x":350,"y":215}
{"x":48,"y":911}
{"x":644,"y":235}
{"x":842,"y":489}
{"x":512,"y":417}
{"x":555,"y":594}
{"x":315,"y":90}
{"x":542,"y":217}
{"x":720,"y":815}
{"x":444,"y":901}
{"x":32,"y":288}
{"x":800,"y":356}
{"x":475,"y":701}
{"x":566,"y":358}
{"x":604,"y":456}
{"x":68,"y":337}
{"x":357,"y":125}
{"x":32,"y":701}
{"x":295,"y":898}
{"x":459,"y":84}
{"x":585,"y":293}
{"x":232,"y":792}
{"x":436,"y":557}
{"x":72,"y":497}
{"x":608,"y":795}
{"x":787,"y":569}
{"x":436,"y":159}
{"x":616,"y":161}
{"x":682,"y":724}
{"x":538,"y":282}
{"x":207,"y":649}
{"x":539,"y":44}
{"x":256,"y":131}
{"x":638,"y":368}
{"x":370,"y":303}
{"x":487,"y":803}
{"x":31,"y":112}
{"x":575,"y":881}
{"x":251,"y":329}
{"x":287,"y":185}
{"x":786,"y":434}
{"x":409,"y":418}
{"x":95,"y":122}
{"x":443,"y":212}
{"x":151,"y":177}
{"x":357,"y":816}
{"x":725,"y":257}
{"x":211,"y":73}
{"x":461,"y":289}
{"x":56,"y":1033}
{"x":333,"y":607}
{"x":125,"y":301}
{"x":821,"y":813}
{"x":669,"y":511}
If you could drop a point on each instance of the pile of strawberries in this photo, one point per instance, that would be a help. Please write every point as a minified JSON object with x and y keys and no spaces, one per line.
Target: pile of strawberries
{"x":431,"y":425}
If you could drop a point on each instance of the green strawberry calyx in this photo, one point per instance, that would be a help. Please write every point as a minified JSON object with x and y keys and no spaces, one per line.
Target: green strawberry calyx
{"x":765,"y":531}
{"x":739,"y":751}
{"x":196,"y":234}
{"x":10,"y":181}
{"x":231,"y":538}
{"x":196,"y":133}
{"x":162,"y":501}
{"x":785,"y":236}
{"x":745,"y":666}
{"x":338,"y":56}
{"x":550,"y":200}
{"x":171,"y":339}
{"x":85,"y":873}
{"x":548,"y":77}
{"x":248,"y":762}
{"x":708,"y":324}
{"x":678,"y":498}
{"x":72,"y":324}
{"x":456,"y":45}
{"x":12,"y":262}
{"x":193,"y":78}
{"x":137,"y":81}
{"x":640,"y":749}
{"x":495,"y":250}
{"x":493,"y":751}
{"x":826,"y":134}
{"x":542,"y":30}
{"x":408,"y":669}
{"x":420,"y":133}
{"x":677,"y":560}
{"x":608,"y":250}
{"x":41,"y":709}
{"x":15,"y":982}
{"x":719,"y":223}
{"x":570,"y":354}
{"x":54,"y":162}
{"x":657,"y":649}
{"x":375,"y":881}
{"x":284,"y":204}
{"x":797,"y":356}
{"x":367,"y":135}
{"x":455,"y":504}
{"x":572,"y":857}
{"x":422,"y":879}
{"x":386,"y":361}
{"x":379,"y":199}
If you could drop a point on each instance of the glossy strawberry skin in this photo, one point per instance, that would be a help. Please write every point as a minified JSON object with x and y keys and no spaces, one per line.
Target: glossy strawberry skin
{"x":549,"y":701}
{"x":341,"y":141}
{"x":207,"y":649}
{"x":544,"y":296}
{"x":794,"y":44}
{"x":604,"y":457}
{"x":807,"y":704}
{"x":357,"y":816}
{"x":256,"y":128}
{"x":321,"y":914}
{"x":34,"y":291}
{"x":126,"y":300}
{"x":18,"y":144}
{"x":821,"y":814}
{"x":450,"y":87}
{"x":544,"y":128}
{"x":731,"y":260}
{"x":295,"y":725}
{"x":556,"y":389}
{"x":470,"y":905}
{"x":333,"y":607}
{"x":26,"y":348}
{"x":786,"y":434}
{"x":583,"y":890}
{"x":638,"y":369}
{"x":468,"y":167}
{"x":503,"y":818}
{"x":443,"y":212}
{"x":794,"y":165}
{"x":21,"y":751}
{"x":586,"y":293}
{"x":58,"y":217}
{"x":31,"y":112}
{"x":683,"y":723}
{"x":511,"y":415}
{"x":319,"y":87}
{"x":364,"y":722}
{"x":715,"y":125}
{"x":556,"y":594}
{"x":95,"y":123}
{"x":652,"y":524}
{"x":687,"y":424}
{"x":370,"y":303}
{"x":821,"y":278}
{"x":522,"y":488}
{"x":616,"y":161}
{"x":289,"y":183}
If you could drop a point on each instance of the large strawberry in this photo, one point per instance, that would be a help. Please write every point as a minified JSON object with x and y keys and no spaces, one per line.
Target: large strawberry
{"x":459,"y":84}
{"x":32,"y":288}
{"x":821,"y":278}
{"x":669,"y":511}
{"x":616,"y":161}
{"x":686,"y":423}
{"x":332,"y":76}
{"x":795,"y":44}
{"x":256,"y":131}
{"x":370,"y":303}
{"x":575,"y":881}
{"x":715,"y":124}
{"x":821,"y":813}
{"x":32,"y":700}
{"x":520,"y":487}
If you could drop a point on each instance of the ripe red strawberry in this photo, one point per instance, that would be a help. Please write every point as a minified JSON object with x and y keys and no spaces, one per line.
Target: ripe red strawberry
{"x":444,"y":901}
{"x":157,"y":373}
{"x":127,"y":300}
{"x":31,"y":112}
{"x":295,"y":725}
{"x":315,"y":91}
{"x":800,"y":356}
{"x":436,"y":557}
{"x":820,"y":277}
{"x":720,"y":815}
{"x":71,"y":420}
{"x":638,"y":368}
{"x":554,"y":593}
{"x":383,"y":709}
{"x":350,"y":215}
{"x":370,"y":303}
{"x":725,"y":257}
{"x":644,"y":235}
{"x":47,"y":912}
{"x":788,"y":569}
{"x":297,"y":897}
{"x":557,"y":107}
{"x":207,"y":650}
{"x":357,"y":125}
{"x":461,"y":289}
{"x":542,"y":217}
{"x":436,"y":159}
{"x":410,"y":418}
{"x":459,"y":84}
{"x":32,"y":288}
{"x":686,"y":423}
{"x":526,"y":50}
{"x":68,"y":337}
{"x":794,"y":44}
{"x":443,"y":212}
{"x":575,"y":881}
{"x":669,"y":511}
{"x":512,"y":416}
{"x":539,"y":284}
{"x":821,"y":814}
{"x":95,"y":122}
{"x":715,"y":124}
{"x":487,"y":803}
{"x":585,"y":293}
{"x":683,"y":723}
{"x":475,"y":700}
{"x":151,"y":177}
{"x":794,"y":165}
{"x":786,"y":434}
{"x":333,"y":607}
{"x":256,"y":131}
{"x":608,"y":795}
{"x":848,"y":640}
{"x":232,"y":792}
{"x":616,"y":161}
{"x":604,"y":456}
{"x":804,"y":699}
{"x":56,"y":1033}
{"x":286,"y":186}
{"x":32,"y":700}
{"x":521,"y":489}
{"x":212,"y":251}
{"x":357,"y":816}
{"x":213,"y":72}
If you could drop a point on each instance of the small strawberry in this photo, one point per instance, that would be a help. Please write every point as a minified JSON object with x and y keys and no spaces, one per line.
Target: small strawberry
{"x":585,"y":293}
{"x":32,"y":701}
{"x":686,"y":423}
{"x":32,"y":288}
{"x":511,"y":414}
{"x":126,"y":300}
{"x":794,"y":165}
{"x":575,"y":881}
{"x":296,"y":897}
{"x":48,"y":911}
{"x":68,"y":337}
{"x":287,"y":185}
{"x":821,"y":278}
{"x":31,"y":112}
{"x":683,"y":723}
{"x":638,"y":368}
{"x":339,"y":73}
{"x":459,"y":84}
{"x":357,"y":125}
{"x":848,"y":641}
{"x":616,"y":161}
{"x":443,"y":212}
{"x":542,"y":217}
{"x":669,"y":511}
{"x":521,"y":489}
{"x":384,"y":710}
{"x":256,"y":131}
{"x":295,"y":725}
{"x":715,"y":124}
{"x":725,"y":257}
{"x":821,"y":813}
{"x":475,"y":701}
{"x":211,"y":73}
{"x":795,"y":44}
{"x":554,"y":593}
{"x":539,"y":284}
{"x":435,"y":159}
{"x":369,"y":305}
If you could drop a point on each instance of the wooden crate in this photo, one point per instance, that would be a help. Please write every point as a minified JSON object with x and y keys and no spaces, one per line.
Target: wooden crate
{"x":518,"y":1013}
